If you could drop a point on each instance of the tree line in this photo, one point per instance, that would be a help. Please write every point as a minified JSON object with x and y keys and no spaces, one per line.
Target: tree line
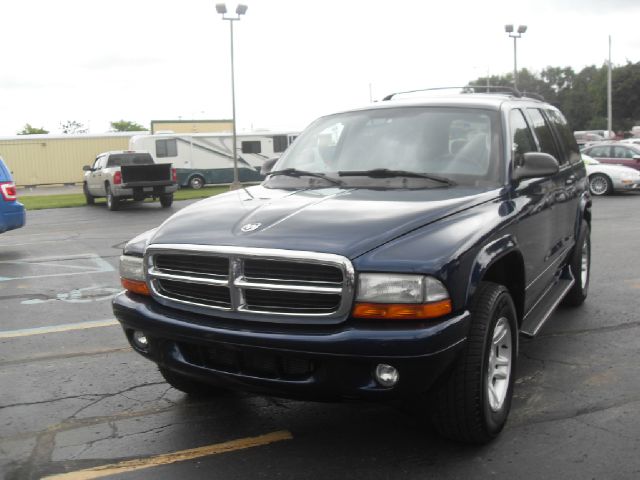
{"x":582,"y":96}
{"x":73,"y":126}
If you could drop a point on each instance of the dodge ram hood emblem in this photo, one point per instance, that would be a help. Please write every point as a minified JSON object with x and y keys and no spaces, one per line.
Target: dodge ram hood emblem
{"x":250,"y":227}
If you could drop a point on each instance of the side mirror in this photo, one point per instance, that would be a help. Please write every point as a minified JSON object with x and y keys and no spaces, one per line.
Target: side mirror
{"x":267,"y":166}
{"x":87,"y":168}
{"x":536,"y":164}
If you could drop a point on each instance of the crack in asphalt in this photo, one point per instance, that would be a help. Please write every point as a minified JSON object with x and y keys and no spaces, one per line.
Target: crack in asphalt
{"x":64,"y":356}
{"x":590,"y":331}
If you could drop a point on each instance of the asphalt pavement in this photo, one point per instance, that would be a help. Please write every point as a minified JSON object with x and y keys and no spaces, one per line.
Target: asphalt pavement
{"x":73,"y":396}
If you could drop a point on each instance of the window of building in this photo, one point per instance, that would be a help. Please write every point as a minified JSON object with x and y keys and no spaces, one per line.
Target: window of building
{"x":252,"y":146}
{"x":166,"y":148}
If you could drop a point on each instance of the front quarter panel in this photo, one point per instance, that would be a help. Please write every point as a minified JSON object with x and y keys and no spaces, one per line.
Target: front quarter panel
{"x":452,"y":249}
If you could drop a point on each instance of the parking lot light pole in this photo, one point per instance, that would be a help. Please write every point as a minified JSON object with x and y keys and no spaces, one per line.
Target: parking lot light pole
{"x":221,"y":8}
{"x":515,"y":36}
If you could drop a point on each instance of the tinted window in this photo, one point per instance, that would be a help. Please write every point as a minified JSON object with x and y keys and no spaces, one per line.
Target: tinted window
{"x":166,"y":148}
{"x":521,"y":137}
{"x":120,"y":159}
{"x":280,"y":143}
{"x":457,"y":143}
{"x":544,"y":134}
{"x":253,"y":146}
{"x":567,"y":141}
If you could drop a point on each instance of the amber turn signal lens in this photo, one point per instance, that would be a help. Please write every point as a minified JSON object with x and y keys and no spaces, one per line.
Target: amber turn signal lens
{"x":402,"y":311}
{"x":135,"y":286}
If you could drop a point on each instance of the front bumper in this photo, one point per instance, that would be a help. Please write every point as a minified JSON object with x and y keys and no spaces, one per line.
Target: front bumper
{"x":319,"y":363}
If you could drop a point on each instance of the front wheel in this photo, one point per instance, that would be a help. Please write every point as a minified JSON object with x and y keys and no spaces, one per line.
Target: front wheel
{"x":88,"y":197}
{"x":600,"y":184}
{"x":190,"y":386}
{"x":473,"y":404}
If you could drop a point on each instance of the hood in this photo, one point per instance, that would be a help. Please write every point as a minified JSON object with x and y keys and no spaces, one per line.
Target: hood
{"x":347,"y":222}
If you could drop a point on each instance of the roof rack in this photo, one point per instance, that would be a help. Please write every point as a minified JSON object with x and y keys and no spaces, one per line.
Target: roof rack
{"x":470,"y":89}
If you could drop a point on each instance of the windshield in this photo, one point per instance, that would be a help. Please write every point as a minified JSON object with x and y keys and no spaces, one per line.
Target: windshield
{"x":457,"y":144}
{"x":120,"y":159}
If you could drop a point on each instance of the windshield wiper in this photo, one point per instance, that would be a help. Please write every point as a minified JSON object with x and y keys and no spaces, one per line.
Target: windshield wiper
{"x":386,"y":173}
{"x":294,"y":172}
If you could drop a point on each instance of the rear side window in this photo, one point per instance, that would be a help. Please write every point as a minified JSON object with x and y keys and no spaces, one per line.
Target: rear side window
{"x":280,"y":143}
{"x":166,"y":148}
{"x":567,"y":140}
{"x":599,"y":152}
{"x":521,"y":137}
{"x":544,"y":134}
{"x":4,"y":172}
{"x":622,"y":152}
{"x":120,"y":159}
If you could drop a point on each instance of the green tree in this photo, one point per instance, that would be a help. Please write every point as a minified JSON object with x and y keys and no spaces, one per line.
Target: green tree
{"x":126,"y":126}
{"x":29,"y":130}
{"x":72,"y":126}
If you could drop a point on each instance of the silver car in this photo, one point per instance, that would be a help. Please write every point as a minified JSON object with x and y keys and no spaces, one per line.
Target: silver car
{"x":605,"y":178}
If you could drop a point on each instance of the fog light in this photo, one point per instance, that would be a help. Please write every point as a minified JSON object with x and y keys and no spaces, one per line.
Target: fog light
{"x":140,"y":340}
{"x":386,"y":375}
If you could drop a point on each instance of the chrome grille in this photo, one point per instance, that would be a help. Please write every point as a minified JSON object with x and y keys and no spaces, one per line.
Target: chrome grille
{"x":251,"y":282}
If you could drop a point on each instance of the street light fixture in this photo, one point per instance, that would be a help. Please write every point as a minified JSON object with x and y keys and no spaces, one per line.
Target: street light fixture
{"x":221,"y":8}
{"x":515,"y":36}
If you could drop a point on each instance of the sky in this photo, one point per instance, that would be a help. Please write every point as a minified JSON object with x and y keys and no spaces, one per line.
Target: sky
{"x":140,"y":60}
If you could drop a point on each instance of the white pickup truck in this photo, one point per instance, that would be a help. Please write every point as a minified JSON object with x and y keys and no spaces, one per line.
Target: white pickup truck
{"x":132,"y":175}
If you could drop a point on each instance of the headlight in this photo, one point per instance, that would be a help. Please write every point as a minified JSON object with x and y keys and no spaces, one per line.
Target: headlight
{"x":132,"y":274}
{"x":398,"y":296}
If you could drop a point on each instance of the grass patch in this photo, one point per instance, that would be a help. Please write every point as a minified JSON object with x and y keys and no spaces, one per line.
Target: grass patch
{"x":41,"y":202}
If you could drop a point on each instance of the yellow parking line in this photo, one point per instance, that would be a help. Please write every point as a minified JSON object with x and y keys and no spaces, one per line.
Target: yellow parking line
{"x":27,"y":332}
{"x":166,"y":459}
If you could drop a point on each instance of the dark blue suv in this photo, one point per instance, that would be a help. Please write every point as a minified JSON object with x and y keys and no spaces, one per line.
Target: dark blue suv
{"x":12,"y":214}
{"x":394,"y":251}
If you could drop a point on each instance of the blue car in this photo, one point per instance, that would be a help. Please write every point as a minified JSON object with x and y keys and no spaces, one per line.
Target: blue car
{"x":12,"y":213}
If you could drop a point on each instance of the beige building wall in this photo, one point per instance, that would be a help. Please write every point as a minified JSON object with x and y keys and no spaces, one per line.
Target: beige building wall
{"x":49,"y":159}
{"x":192,"y":126}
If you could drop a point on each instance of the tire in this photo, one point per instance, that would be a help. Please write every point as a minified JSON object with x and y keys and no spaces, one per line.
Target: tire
{"x":473,"y":404}
{"x":166,"y":200}
{"x":600,"y":185}
{"x":580,"y":264}
{"x":196,"y":182}
{"x":88,"y":197}
{"x":190,"y":386}
{"x":113,"y":203}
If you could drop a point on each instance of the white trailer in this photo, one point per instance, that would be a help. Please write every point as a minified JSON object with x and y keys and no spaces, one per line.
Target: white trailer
{"x":207,"y":158}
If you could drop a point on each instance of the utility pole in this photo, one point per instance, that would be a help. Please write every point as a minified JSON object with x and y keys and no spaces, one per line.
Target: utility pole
{"x":609,"y":108}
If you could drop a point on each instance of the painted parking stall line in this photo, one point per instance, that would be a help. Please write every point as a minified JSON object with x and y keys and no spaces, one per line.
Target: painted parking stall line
{"x":27,"y":332}
{"x":169,"y":458}
{"x":60,"y":266}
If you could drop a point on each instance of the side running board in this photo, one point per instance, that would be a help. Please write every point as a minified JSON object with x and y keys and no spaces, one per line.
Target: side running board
{"x":542,"y":310}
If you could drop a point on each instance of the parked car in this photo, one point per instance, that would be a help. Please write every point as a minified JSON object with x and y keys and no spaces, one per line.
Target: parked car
{"x":616,"y":153}
{"x":12,"y":212}
{"x":586,"y":139}
{"x":393,"y":252}
{"x":632,"y":140}
{"x":605,"y":178}
{"x":122,"y":175}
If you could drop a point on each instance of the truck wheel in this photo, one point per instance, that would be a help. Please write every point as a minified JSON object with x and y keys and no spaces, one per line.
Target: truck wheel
{"x":600,"y":184}
{"x":166,"y":200}
{"x":473,"y":404}
{"x":88,"y":197}
{"x":196,"y":182}
{"x":190,"y":386}
{"x":113,"y":203}
{"x":580,"y":264}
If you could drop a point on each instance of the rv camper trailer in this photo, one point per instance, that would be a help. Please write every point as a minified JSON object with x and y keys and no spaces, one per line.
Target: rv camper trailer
{"x":207,"y":158}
